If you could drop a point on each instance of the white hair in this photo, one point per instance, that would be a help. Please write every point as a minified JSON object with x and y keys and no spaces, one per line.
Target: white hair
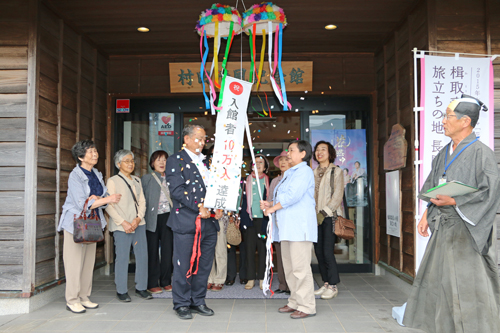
{"x":120,"y":154}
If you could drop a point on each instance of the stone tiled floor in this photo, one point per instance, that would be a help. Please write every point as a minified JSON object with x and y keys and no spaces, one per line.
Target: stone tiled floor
{"x":363,"y":305}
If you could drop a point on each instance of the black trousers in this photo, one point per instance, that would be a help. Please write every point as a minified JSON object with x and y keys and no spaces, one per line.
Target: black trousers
{"x":160,"y":267}
{"x":192,"y":291}
{"x":254,"y":242}
{"x":231,"y":262}
{"x":324,"y":252}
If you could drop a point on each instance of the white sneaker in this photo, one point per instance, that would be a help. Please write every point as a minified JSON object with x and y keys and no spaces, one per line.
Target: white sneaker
{"x":75,"y":308}
{"x":321,"y":290}
{"x":89,"y":305}
{"x":330,"y":292}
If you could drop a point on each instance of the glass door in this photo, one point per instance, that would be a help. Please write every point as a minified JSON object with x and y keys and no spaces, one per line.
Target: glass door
{"x":347,"y":132}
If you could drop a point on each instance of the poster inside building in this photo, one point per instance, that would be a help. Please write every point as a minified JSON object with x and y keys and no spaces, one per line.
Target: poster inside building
{"x":350,"y":146}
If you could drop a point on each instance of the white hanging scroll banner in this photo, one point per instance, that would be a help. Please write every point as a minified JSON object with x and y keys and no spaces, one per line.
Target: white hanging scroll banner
{"x":444,"y":79}
{"x":225,"y":171}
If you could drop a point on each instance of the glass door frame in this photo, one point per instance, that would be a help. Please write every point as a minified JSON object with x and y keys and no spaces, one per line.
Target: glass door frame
{"x":351,"y":107}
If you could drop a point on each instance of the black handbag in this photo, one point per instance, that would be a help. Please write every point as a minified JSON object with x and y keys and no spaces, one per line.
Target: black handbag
{"x":87,"y":229}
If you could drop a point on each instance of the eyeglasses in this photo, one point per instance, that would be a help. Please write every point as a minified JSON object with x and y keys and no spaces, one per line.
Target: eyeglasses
{"x":447,"y":116}
{"x":128,"y":161}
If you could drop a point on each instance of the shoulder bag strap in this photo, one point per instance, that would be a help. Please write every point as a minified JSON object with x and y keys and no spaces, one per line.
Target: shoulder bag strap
{"x":344,"y":201}
{"x":164,"y":190}
{"x":131,"y":191}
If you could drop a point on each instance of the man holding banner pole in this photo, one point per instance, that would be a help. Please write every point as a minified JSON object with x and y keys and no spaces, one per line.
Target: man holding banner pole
{"x":457,"y":288}
{"x":194,"y":228}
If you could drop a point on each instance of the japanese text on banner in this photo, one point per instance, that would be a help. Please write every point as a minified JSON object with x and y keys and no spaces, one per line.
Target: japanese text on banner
{"x":443,"y":80}
{"x":225,"y":171}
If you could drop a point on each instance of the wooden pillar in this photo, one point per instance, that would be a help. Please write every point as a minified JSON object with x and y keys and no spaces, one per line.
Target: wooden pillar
{"x":30,"y":188}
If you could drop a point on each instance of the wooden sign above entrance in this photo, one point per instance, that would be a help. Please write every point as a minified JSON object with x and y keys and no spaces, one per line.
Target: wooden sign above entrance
{"x":185,"y":77}
{"x":396,"y":149}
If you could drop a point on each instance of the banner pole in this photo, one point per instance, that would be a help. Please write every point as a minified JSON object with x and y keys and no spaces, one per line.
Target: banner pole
{"x":417,"y":145}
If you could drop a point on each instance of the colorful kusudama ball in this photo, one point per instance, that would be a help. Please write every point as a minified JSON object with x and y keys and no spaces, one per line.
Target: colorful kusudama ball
{"x":223,"y":14}
{"x":261,"y":15}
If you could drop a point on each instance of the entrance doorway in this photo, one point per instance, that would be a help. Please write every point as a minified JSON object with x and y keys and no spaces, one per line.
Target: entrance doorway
{"x":343,"y":121}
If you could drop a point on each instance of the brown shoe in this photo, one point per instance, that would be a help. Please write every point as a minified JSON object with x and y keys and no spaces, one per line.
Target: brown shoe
{"x":286,"y":309}
{"x":209,"y":286}
{"x":301,"y":315}
{"x":217,"y":287}
{"x":155,"y":290}
{"x":168,"y":288}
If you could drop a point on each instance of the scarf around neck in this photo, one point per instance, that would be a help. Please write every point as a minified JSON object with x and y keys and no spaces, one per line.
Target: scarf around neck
{"x":249,"y":188}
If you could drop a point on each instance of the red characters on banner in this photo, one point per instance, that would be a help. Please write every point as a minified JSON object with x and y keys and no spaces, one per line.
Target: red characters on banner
{"x":227,"y":159}
{"x":231,"y":145}
{"x":236,"y":88}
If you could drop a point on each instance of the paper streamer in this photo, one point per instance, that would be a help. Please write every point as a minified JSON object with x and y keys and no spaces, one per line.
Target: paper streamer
{"x":226,"y":55}
{"x":216,"y":55}
{"x":262,"y":53}
{"x":202,"y":69}
{"x":282,"y":79}
{"x":272,"y":69}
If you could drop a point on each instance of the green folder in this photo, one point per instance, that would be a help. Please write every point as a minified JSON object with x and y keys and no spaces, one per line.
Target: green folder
{"x":451,"y":189}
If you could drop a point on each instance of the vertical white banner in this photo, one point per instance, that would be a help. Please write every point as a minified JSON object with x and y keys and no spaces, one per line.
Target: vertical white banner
{"x":225,"y":171}
{"x":442,"y":80}
{"x":445,"y":79}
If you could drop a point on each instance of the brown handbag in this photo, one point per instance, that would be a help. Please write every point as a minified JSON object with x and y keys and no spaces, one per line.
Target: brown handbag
{"x":233,"y":233}
{"x":342,"y":227}
{"x":87,"y":229}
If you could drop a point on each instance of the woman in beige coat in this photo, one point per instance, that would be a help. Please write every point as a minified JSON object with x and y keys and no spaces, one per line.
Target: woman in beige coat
{"x":328,"y":206}
{"x":128,"y":226}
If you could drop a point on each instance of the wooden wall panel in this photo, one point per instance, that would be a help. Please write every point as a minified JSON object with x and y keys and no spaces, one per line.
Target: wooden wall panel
{"x":45,"y":272}
{"x":11,"y":228}
{"x":11,"y":253}
{"x":11,"y":277}
{"x":13,"y":129}
{"x":394,"y":81}
{"x":12,"y":105}
{"x":14,"y":32}
{"x":14,"y":57}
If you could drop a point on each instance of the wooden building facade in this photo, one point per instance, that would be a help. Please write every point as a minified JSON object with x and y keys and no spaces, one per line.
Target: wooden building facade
{"x":53,"y":85}
{"x":57,"y":87}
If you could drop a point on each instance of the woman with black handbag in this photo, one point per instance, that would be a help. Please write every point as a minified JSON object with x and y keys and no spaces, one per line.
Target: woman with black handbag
{"x":328,"y":193}
{"x":87,"y":192}
{"x":128,"y":226}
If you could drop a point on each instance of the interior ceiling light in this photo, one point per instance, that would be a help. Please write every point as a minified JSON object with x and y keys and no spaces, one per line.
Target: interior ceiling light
{"x":143,"y":29}
{"x":331,"y":27}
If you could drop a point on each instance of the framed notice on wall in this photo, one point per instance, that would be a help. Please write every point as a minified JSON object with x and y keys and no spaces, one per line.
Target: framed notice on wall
{"x":393,"y":203}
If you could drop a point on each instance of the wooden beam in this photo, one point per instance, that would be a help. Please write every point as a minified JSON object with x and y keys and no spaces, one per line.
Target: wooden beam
{"x":79,"y":89}
{"x":30,"y":197}
{"x":487,"y":23}
{"x":432,"y":25}
{"x":60,"y":65}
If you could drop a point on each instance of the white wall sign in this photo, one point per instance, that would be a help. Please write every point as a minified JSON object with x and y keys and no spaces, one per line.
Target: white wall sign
{"x":393,"y":203}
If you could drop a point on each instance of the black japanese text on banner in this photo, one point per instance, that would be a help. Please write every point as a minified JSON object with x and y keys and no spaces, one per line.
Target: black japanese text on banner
{"x":225,"y":171}
{"x":443,"y":80}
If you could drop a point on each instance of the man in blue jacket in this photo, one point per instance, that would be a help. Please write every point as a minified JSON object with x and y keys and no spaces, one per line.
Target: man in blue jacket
{"x":186,"y":174}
